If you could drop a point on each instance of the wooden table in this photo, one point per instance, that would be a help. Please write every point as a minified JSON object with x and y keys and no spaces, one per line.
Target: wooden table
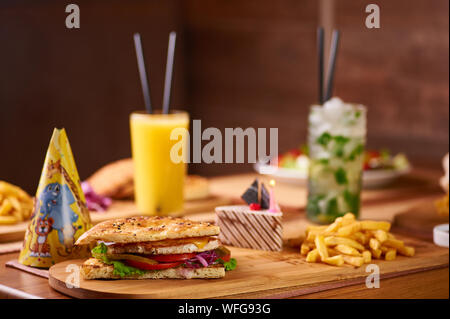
{"x":377,"y":204}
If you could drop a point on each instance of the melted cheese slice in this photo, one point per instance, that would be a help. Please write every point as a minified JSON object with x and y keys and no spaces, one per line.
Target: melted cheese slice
{"x":200,"y":243}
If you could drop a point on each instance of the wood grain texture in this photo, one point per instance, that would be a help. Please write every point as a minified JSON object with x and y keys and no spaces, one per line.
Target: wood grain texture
{"x":419,"y":220}
{"x":256,"y":271}
{"x":7,"y":248}
{"x":405,"y":287}
{"x":10,"y":233}
{"x":426,"y":284}
{"x":32,"y":270}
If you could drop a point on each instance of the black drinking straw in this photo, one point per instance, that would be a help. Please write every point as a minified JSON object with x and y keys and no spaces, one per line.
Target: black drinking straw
{"x":320,"y":58}
{"x":142,"y":72}
{"x":332,"y":64}
{"x":169,"y":72}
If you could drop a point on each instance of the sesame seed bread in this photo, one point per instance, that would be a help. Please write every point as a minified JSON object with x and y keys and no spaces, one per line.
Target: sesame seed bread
{"x":146,"y":228}
{"x":96,"y":269}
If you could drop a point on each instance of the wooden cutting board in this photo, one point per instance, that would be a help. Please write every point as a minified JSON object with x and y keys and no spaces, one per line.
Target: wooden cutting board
{"x":9,"y":233}
{"x":259,"y":274}
{"x":118,"y":209}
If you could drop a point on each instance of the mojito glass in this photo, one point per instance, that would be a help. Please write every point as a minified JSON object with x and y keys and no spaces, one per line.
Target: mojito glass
{"x":336,"y":139}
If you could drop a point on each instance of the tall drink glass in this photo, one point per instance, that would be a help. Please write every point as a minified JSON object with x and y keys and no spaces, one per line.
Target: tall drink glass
{"x":158,"y":181}
{"x":337,"y":137}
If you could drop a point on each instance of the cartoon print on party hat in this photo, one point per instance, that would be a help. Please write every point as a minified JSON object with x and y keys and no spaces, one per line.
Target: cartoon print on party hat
{"x":60,"y":214}
{"x":54,"y":199}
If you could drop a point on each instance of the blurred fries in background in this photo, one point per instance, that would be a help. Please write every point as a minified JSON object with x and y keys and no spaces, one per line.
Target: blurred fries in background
{"x":15,"y":204}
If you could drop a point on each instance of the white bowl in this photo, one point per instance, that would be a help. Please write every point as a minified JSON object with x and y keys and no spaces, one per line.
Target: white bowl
{"x":371,"y":179}
{"x":440,"y":235}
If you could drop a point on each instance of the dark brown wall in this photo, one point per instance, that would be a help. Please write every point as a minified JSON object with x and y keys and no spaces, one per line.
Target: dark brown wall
{"x":238,"y":63}
{"x":399,"y":71}
{"x":85,"y":80}
{"x":251,"y":64}
{"x":264,"y":68}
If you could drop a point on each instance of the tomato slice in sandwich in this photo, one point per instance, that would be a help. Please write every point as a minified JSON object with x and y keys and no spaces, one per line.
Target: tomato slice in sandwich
{"x":145,"y":266}
{"x":173,"y":257}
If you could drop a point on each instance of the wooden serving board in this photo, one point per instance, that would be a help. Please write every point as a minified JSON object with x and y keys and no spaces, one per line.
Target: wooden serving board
{"x":9,"y":233}
{"x":259,"y":274}
{"x":118,"y":209}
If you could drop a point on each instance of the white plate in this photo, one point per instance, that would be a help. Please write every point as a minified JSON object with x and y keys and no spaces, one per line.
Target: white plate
{"x":371,"y":179}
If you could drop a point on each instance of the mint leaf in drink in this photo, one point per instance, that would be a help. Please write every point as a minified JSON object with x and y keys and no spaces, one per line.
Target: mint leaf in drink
{"x":358,"y":150}
{"x":352,"y":201}
{"x":312,"y":206}
{"x":332,"y":207}
{"x":324,"y":139}
{"x":341,"y":176}
{"x":339,"y":151}
{"x":339,"y":144}
{"x":341,"y":140}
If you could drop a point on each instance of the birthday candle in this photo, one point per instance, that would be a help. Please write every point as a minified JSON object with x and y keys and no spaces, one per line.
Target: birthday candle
{"x":273,"y":207}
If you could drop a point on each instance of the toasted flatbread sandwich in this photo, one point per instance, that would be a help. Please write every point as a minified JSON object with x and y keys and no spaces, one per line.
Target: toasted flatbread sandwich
{"x":155,"y":248}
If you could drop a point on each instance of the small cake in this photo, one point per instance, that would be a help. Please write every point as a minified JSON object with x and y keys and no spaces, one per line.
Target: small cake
{"x":256,"y":225}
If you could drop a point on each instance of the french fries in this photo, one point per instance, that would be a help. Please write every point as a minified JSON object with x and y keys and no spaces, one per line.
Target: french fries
{"x":334,"y":240}
{"x":313,"y":256}
{"x":354,"y":261}
{"x":347,"y":250}
{"x":390,"y":254}
{"x":321,"y":247}
{"x":337,"y":260}
{"x":15,"y":204}
{"x":367,"y":255}
{"x":374,"y":244}
{"x":352,"y":242}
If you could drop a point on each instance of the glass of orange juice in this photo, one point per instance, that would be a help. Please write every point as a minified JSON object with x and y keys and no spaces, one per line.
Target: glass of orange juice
{"x":158,"y":180}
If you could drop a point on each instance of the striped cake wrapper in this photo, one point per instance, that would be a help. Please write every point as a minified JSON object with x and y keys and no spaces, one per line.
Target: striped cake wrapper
{"x":242,"y":227}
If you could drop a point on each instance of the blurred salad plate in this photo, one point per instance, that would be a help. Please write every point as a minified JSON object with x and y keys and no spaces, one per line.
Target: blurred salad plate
{"x":380,"y":168}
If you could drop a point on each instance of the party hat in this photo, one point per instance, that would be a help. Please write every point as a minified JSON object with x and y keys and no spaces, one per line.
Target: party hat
{"x":60,"y":214}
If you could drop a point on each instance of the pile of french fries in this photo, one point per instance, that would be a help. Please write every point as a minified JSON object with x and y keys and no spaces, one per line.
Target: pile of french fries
{"x":15,"y":204}
{"x":348,"y":241}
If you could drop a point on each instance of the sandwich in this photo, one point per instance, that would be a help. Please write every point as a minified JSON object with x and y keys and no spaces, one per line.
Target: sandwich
{"x":154,"y":247}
